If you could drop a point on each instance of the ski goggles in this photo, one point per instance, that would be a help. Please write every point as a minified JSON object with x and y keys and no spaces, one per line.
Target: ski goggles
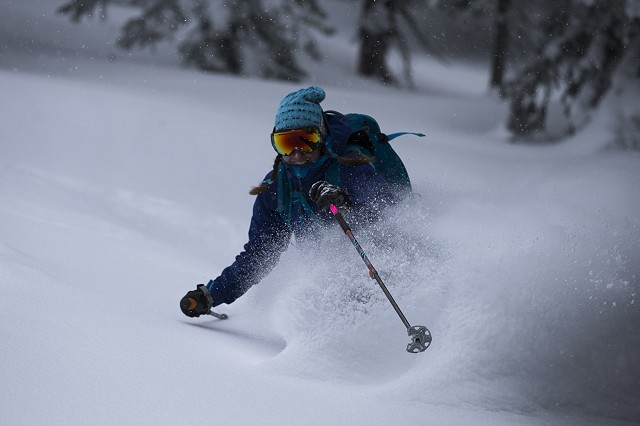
{"x":304,"y":140}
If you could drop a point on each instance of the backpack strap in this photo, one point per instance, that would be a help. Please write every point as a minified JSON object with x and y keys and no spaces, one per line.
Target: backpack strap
{"x":392,"y":136}
{"x":290,"y":199}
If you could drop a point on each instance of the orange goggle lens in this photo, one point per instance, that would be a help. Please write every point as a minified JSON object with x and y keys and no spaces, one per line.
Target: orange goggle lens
{"x":304,"y":140}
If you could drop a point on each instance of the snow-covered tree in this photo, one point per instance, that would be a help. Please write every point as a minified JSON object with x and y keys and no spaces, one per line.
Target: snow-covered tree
{"x":579,"y":45}
{"x":252,"y":37}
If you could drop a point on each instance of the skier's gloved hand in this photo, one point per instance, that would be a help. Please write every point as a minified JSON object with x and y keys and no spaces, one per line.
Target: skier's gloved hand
{"x":324,"y":194}
{"x":197,"y":302}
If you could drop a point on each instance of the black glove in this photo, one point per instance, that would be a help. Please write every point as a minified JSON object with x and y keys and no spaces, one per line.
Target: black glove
{"x":197,"y":302}
{"x":324,"y":194}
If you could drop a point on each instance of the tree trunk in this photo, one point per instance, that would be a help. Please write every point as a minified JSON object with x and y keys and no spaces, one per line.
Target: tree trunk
{"x":373,"y":50}
{"x":376,"y":31}
{"x":501,"y":45}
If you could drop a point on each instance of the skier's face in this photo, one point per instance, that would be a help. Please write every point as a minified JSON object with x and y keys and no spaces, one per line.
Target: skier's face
{"x":301,"y":159}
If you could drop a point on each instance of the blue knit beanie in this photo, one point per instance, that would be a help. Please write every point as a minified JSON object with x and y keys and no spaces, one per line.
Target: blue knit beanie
{"x":300,"y":109}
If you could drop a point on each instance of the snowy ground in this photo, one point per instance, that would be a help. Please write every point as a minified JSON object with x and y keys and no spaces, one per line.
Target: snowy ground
{"x":123,"y":183}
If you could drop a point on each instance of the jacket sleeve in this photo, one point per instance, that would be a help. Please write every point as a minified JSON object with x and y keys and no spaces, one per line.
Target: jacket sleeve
{"x":368,"y":191}
{"x":268,"y":237}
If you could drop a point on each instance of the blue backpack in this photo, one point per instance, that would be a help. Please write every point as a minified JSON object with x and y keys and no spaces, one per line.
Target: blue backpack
{"x":367,"y":139}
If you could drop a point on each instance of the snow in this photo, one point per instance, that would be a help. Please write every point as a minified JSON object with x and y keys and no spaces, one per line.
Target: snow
{"x":123,"y":183}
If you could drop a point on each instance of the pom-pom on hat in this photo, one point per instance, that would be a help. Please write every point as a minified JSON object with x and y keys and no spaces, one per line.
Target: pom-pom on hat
{"x":300,"y":109}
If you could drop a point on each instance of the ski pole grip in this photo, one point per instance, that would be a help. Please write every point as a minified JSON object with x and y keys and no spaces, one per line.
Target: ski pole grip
{"x":339,"y":218}
{"x":189,"y":303}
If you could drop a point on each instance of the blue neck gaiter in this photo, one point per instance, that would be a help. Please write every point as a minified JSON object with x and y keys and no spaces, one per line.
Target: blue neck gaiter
{"x":302,"y":171}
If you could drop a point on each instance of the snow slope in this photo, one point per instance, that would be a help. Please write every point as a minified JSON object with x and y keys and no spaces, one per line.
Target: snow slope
{"x":123,"y":183}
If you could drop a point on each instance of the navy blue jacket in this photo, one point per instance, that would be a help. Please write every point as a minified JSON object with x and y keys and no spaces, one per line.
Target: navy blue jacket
{"x":270,"y":231}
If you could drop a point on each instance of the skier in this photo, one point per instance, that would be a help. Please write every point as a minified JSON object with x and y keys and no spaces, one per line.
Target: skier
{"x":313,"y":155}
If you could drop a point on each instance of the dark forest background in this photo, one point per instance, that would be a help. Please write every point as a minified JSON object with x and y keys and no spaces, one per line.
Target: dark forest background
{"x":566,"y":51}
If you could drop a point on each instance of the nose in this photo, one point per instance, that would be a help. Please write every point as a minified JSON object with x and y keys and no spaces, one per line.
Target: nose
{"x":297,"y":155}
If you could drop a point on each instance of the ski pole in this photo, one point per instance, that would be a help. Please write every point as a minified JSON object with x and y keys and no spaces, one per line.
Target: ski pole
{"x":217,"y":315}
{"x":419,"y":334}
